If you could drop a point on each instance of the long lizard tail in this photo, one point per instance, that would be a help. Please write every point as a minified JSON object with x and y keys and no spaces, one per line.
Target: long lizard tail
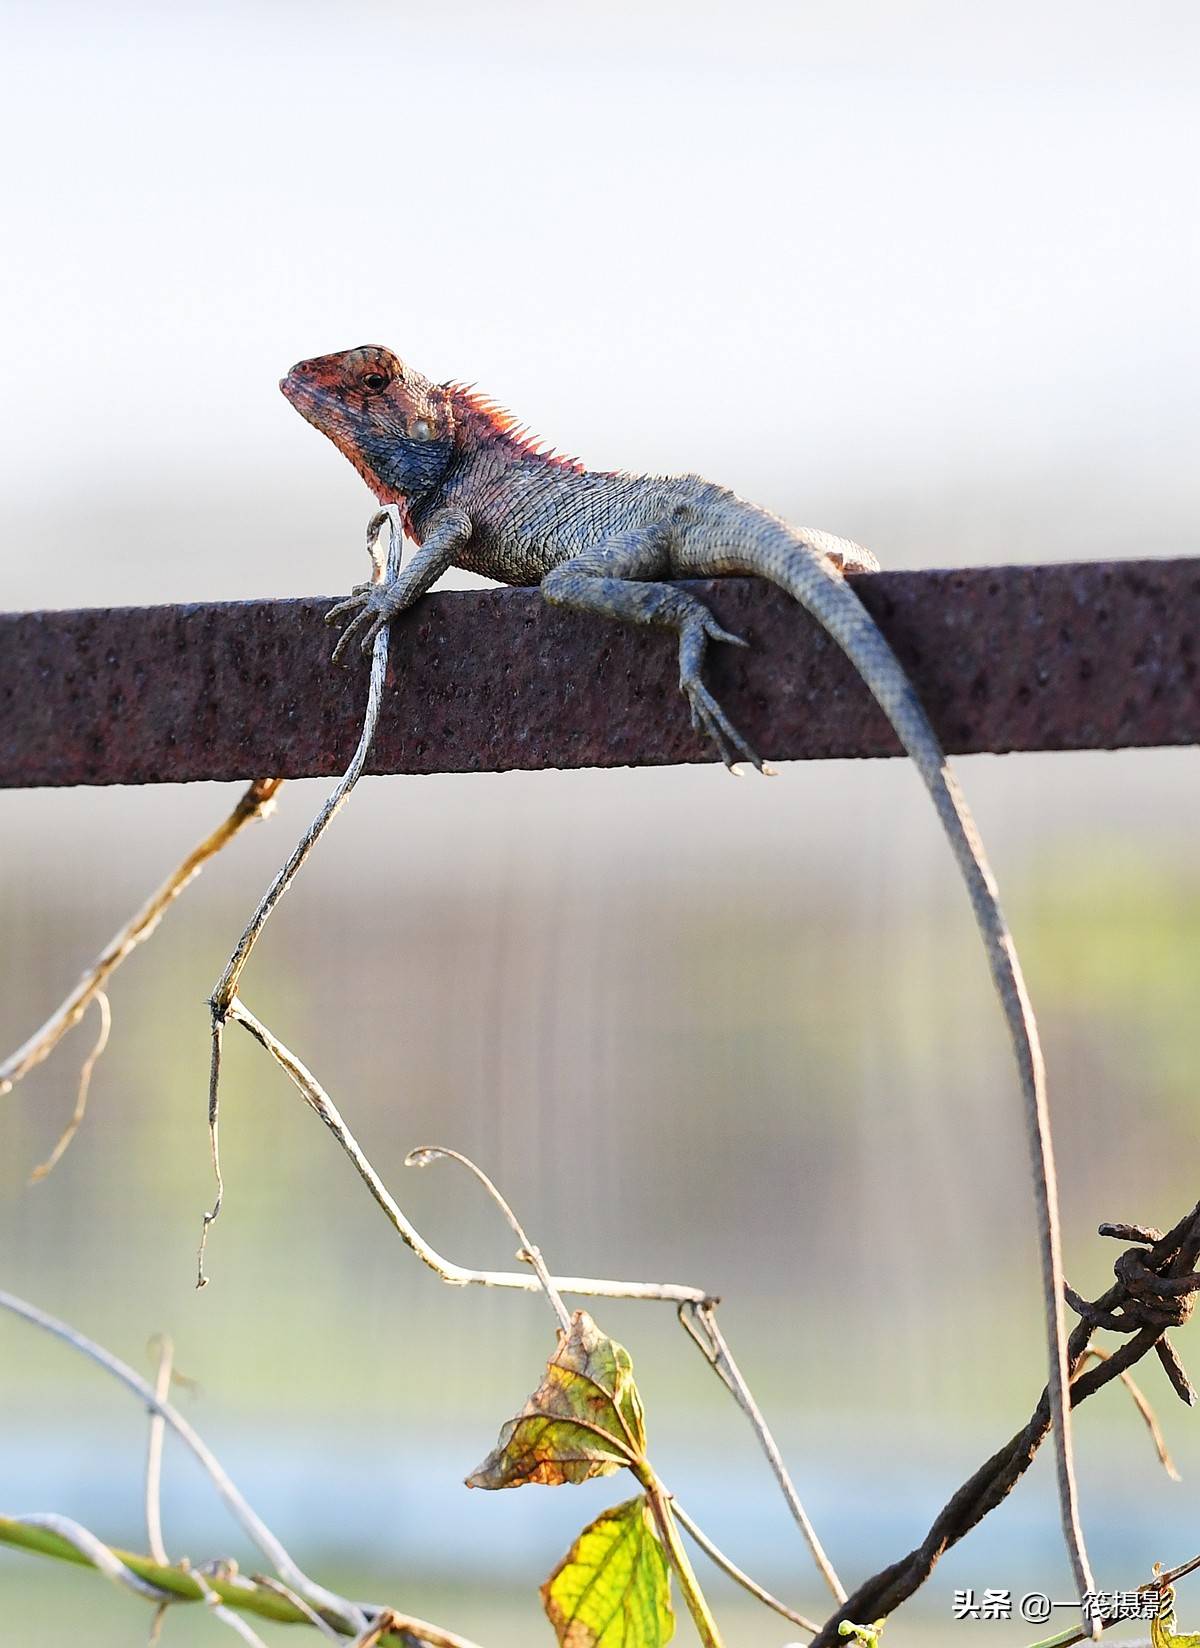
{"x":798,"y":561}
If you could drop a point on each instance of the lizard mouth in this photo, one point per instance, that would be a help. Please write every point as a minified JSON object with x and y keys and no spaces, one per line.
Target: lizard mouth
{"x":324,"y":410}
{"x":319,"y":408}
{"x":305,"y":396}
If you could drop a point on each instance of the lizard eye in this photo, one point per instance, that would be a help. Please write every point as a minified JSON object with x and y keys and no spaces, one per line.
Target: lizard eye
{"x":374,"y":381}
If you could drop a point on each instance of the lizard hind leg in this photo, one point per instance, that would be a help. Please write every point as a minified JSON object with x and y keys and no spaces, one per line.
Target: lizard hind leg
{"x":620,"y":579}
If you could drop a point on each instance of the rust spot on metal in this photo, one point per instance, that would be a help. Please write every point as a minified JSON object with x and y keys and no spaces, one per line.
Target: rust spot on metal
{"x":1095,"y":655}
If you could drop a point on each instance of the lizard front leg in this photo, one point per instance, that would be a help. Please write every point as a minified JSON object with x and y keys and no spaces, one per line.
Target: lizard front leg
{"x":374,"y":605}
{"x":620,"y":578}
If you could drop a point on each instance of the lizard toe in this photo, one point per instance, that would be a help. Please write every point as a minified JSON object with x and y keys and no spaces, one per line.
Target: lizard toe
{"x":349,"y":635}
{"x":715,"y":633}
{"x":353,"y":603}
{"x":372,"y":634}
{"x":708,"y":717}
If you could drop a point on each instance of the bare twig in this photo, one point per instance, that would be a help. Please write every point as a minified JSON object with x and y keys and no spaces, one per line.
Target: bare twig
{"x":225,"y":991}
{"x":659,"y":1503}
{"x":296,"y":1599}
{"x":227,"y":1616}
{"x":1171,"y":1264}
{"x":715,"y":1554}
{"x":388,"y":1619}
{"x":688,"y":1300}
{"x":712,"y":1342}
{"x":254,"y":803}
{"x":1163,"y":1584}
{"x":456,"y":1275}
{"x":435,"y":1635}
{"x":224,"y":1004}
{"x":252,"y":1524}
{"x":426,"y":1153}
{"x":373,"y":1635}
{"x":97,"y":1553}
{"x":267,"y":1598}
{"x":1173,"y":1574}
{"x":1143,"y":1407}
{"x":422,"y":1156}
{"x":297,"y":1602}
{"x":176,"y":1583}
{"x":154,"y":1452}
{"x":226,"y":986}
{"x":217,"y":1032}
{"x":81,"y":1092}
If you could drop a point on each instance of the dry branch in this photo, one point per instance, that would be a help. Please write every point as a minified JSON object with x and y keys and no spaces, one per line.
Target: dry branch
{"x":256,"y":802}
{"x":297,"y":1599}
{"x":224,"y":994}
{"x":1164,"y":1286}
{"x":693,"y":1304}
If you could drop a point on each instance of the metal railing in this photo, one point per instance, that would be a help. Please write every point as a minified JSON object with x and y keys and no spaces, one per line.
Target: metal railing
{"x":1091,"y":655}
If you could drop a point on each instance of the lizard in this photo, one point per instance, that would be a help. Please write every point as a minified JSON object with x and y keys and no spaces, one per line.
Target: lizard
{"x":475,"y":490}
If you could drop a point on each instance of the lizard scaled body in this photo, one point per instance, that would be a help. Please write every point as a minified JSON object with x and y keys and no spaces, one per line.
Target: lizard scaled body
{"x":476,"y":492}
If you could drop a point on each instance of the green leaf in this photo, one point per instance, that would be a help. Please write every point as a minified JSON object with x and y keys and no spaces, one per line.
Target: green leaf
{"x":868,"y":1635}
{"x":585,"y":1418}
{"x":612,"y":1589}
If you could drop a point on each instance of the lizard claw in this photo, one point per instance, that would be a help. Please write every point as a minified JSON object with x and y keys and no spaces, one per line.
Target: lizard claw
{"x":708,"y":717}
{"x":373,"y":607}
{"x":370,"y":615}
{"x":352,"y":629}
{"x":353,"y":601}
{"x":715,"y":633}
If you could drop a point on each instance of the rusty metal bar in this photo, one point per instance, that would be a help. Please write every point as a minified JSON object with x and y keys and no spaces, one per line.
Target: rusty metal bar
{"x":1095,"y":655}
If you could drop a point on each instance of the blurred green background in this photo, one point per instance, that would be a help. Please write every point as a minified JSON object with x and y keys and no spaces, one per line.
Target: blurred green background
{"x":924,"y":277}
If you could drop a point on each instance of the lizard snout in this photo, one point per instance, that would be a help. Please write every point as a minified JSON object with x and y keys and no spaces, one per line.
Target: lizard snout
{"x":297,"y":381}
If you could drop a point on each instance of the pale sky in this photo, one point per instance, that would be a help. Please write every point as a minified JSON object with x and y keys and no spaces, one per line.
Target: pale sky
{"x":876,"y":266}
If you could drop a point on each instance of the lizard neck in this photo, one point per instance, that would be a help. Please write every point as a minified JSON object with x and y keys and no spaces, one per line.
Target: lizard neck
{"x":488,"y":445}
{"x":411,"y":476}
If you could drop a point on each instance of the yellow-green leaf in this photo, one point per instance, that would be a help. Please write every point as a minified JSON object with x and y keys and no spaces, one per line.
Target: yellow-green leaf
{"x":584,"y":1419}
{"x":612,"y":1589}
{"x":1162,"y":1631}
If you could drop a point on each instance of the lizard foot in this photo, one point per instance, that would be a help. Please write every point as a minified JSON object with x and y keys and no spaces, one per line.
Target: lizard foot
{"x":373,"y":607}
{"x":707,"y":715}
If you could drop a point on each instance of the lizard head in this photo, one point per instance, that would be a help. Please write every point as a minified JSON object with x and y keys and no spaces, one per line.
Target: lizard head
{"x":396,"y":427}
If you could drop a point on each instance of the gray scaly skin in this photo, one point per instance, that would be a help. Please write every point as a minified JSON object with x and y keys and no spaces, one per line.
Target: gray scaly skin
{"x":476,"y":492}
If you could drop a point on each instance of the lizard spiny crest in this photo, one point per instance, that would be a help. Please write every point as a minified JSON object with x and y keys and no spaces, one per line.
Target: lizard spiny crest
{"x":479,"y":419}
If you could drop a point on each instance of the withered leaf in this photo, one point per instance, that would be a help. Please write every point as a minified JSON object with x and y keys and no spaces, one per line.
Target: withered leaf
{"x":612,"y":1589}
{"x":584,"y":1419}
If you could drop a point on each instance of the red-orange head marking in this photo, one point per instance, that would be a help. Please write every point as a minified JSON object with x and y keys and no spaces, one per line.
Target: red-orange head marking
{"x":396,"y":427}
{"x":399,"y":430}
